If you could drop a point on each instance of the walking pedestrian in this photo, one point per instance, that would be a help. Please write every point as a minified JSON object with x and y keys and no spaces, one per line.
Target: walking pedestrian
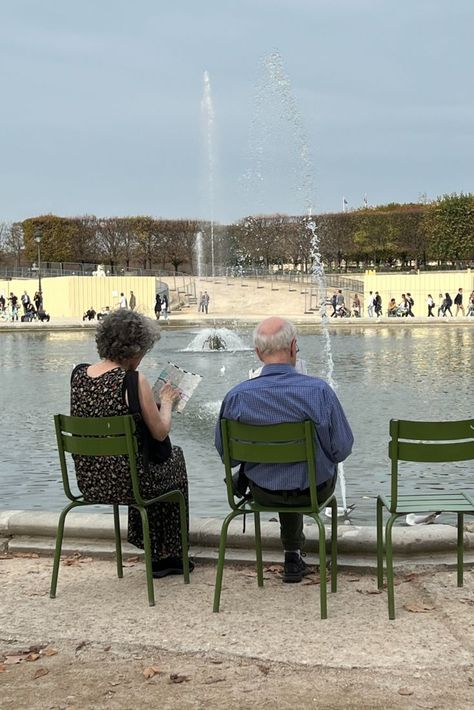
{"x":410,"y":304}
{"x":157,"y":307}
{"x":370,"y":304}
{"x":431,"y":304}
{"x":164,"y":306}
{"x":458,"y":302}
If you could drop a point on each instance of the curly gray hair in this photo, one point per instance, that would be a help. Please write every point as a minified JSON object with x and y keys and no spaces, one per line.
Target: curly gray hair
{"x":125,"y":334}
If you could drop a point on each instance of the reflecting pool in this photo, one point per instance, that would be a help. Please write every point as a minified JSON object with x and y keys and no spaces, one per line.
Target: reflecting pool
{"x":404,"y":372}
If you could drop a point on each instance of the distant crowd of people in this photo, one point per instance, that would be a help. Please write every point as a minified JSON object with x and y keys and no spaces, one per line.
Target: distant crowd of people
{"x":11,"y":308}
{"x":404,"y":307}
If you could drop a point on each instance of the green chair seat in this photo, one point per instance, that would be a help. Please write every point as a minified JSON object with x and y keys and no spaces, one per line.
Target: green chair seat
{"x":430,"y":503}
{"x":423,"y":442}
{"x":110,"y":436}
{"x":292,"y":442}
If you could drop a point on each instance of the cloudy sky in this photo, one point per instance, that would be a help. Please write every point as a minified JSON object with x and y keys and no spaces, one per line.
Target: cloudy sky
{"x":101,"y":105}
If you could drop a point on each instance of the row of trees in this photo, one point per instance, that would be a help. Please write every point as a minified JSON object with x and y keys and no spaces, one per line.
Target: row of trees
{"x":409,"y":234}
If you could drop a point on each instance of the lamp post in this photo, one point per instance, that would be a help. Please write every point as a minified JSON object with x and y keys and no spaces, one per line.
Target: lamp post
{"x":38,"y":237}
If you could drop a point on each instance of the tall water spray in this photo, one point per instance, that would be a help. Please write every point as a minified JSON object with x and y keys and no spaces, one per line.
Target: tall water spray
{"x":198,"y":254}
{"x":276,"y":83}
{"x":207,"y":111}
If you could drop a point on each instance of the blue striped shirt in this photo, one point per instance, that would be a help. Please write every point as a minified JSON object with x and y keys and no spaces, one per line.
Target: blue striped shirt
{"x":280,"y":394}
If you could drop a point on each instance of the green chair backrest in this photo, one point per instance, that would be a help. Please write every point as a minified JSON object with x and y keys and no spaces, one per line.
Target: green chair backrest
{"x":276,"y":443}
{"x":97,"y":436}
{"x":428,"y":442}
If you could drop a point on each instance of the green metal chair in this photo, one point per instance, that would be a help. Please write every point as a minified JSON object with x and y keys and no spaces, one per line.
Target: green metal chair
{"x":278,"y":443}
{"x":110,"y":436}
{"x":423,"y":442}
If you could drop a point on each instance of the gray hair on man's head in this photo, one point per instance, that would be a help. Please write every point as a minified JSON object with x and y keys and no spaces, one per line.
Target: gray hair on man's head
{"x":273,"y":339}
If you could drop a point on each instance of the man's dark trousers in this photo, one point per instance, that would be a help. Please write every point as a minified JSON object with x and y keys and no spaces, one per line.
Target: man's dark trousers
{"x":291,"y":524}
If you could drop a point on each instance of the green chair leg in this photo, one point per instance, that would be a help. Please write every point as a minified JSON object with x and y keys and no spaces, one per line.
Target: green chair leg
{"x":118,"y":541}
{"x":334,"y":545}
{"x":183,"y":518}
{"x":221,"y":559}
{"x":389,"y":556}
{"x":258,"y":549}
{"x":59,"y":544}
{"x":147,"y":550}
{"x":460,"y":547}
{"x":322,"y":567}
{"x":379,"y":543}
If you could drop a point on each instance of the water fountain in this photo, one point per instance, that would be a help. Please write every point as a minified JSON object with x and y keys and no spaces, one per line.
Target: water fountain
{"x":215,"y":339}
{"x":276,"y":83}
{"x":207,"y":111}
{"x":198,"y":254}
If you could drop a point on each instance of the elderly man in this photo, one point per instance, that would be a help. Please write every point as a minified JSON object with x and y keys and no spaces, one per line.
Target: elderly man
{"x":281,"y":394}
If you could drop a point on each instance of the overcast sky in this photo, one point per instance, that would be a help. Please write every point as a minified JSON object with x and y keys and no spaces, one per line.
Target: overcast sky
{"x":101,"y":105}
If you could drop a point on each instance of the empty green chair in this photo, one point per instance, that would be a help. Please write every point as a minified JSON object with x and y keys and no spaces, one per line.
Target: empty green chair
{"x":110,"y":436}
{"x":277,"y":443}
{"x":423,"y":442}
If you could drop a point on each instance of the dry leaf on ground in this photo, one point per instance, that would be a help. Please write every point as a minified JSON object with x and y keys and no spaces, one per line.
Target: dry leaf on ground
{"x":80,"y":645}
{"x":466,"y":600}
{"x":40,"y":672}
{"x":210,"y":681}
{"x":5,"y":556}
{"x":131,"y":561}
{"x":49,"y":651}
{"x":107,"y":648}
{"x":150,"y":671}
{"x":405,"y":691}
{"x":418,"y":607}
{"x":176,"y":678}
{"x":369,"y":591}
{"x":2,"y":668}
{"x":32,"y":657}
{"x":26,"y":555}
{"x":264,"y":669}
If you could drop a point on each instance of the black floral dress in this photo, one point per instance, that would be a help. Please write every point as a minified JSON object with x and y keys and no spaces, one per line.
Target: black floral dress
{"x":107,"y":479}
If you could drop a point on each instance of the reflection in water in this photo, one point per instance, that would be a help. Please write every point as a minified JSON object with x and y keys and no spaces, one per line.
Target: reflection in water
{"x":383,"y":373}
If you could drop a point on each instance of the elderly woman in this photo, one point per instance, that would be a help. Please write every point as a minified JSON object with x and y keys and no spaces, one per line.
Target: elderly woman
{"x":113,"y":387}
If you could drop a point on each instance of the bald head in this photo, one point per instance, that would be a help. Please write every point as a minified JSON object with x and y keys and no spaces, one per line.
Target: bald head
{"x":275,"y":341}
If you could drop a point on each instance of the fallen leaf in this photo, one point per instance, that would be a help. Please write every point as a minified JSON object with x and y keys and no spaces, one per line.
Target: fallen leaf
{"x":107,"y":648}
{"x":32,"y":657}
{"x":80,"y":645}
{"x":26,"y":555}
{"x":353,"y":579}
{"x":49,"y":651}
{"x":278,"y":569}
{"x":405,"y":691}
{"x":13,"y":659}
{"x":131,"y":560}
{"x":5,"y":556}
{"x":418,"y":607}
{"x":176,"y":678}
{"x":264,"y":669}
{"x":369,"y":591}
{"x":310,"y":580}
{"x":40,"y":672}
{"x":465,"y":600}
{"x":151,"y":671}
{"x":216,"y":662}
{"x":410,"y":577}
{"x":2,"y":668}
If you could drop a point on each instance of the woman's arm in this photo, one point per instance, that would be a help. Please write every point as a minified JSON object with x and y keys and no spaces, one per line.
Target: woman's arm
{"x":157,"y":420}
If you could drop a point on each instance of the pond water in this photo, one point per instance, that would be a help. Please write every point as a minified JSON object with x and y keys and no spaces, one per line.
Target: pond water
{"x":404,"y":372}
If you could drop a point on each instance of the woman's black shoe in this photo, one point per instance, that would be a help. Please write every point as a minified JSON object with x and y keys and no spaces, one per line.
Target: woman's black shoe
{"x":169,"y":565}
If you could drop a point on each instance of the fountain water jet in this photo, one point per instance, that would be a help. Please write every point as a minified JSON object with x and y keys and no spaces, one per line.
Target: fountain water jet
{"x":216,"y":339}
{"x":207,"y":110}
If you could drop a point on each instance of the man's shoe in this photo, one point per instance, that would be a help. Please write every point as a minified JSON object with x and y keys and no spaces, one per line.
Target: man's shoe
{"x":295,"y":568}
{"x":169,"y":565}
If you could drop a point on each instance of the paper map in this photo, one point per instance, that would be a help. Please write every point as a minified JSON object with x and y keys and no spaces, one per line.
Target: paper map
{"x":186,"y":382}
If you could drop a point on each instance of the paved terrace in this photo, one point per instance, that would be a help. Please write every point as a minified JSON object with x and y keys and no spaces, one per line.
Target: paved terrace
{"x":266,"y":647}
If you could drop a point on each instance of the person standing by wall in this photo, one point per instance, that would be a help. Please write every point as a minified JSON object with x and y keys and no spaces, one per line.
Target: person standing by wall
{"x":205,"y":301}
{"x":123,"y":301}
{"x":458,"y":302}
{"x":165,"y":306}
{"x":157,"y":307}
{"x":410,"y":304}
{"x":370,"y":304}
{"x":133,"y":301}
{"x":431,"y":304}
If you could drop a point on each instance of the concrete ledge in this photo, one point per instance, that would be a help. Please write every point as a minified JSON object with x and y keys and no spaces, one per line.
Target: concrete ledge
{"x":205,"y":533}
